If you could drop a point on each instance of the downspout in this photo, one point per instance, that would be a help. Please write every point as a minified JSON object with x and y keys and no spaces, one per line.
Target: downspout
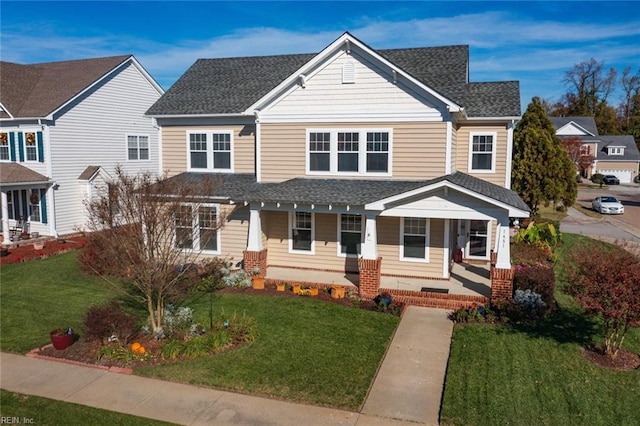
{"x":51,"y":198}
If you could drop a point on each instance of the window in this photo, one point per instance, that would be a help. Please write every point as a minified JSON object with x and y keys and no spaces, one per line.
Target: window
{"x":301,"y":232}
{"x":30,"y":146}
{"x":197,"y":231}
{"x":34,"y":205}
{"x":377,"y":152}
{"x":616,"y":150}
{"x":585,"y":150}
{"x":137,"y":147}
{"x":482,"y":153}
{"x":210,"y":151}
{"x":10,"y":205}
{"x":350,"y":234}
{"x":4,"y":147}
{"x":414,"y":244}
{"x":319,"y":151}
{"x":350,"y":152}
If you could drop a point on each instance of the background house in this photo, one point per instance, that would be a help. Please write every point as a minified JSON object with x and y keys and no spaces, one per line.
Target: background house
{"x":64,"y":126}
{"x":374,"y":165}
{"x":612,"y":155}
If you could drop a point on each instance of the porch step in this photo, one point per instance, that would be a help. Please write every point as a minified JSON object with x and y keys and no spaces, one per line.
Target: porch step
{"x":436,"y":300}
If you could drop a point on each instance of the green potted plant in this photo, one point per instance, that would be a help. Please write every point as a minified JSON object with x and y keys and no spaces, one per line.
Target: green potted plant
{"x":62,"y":338}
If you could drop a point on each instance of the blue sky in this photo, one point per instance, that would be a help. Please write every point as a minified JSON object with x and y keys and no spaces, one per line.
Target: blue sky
{"x":533,"y":42}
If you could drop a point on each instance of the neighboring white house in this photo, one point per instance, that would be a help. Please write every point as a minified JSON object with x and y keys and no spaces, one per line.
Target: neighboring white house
{"x":612,"y":155}
{"x":64,"y":127}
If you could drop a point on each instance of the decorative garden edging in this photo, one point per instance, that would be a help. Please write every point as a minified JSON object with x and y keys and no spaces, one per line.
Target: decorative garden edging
{"x":35,"y":353}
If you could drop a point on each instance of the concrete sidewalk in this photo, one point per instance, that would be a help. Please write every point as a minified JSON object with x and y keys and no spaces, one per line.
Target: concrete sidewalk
{"x":407,"y":389}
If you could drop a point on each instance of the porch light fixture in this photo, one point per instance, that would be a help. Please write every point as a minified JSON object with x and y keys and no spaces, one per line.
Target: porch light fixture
{"x":295,"y":205}
{"x":313,"y":206}
{"x":348,"y":207}
{"x":330,"y":207}
{"x":395,"y":76}
{"x":278,"y":204}
{"x":303,"y":80}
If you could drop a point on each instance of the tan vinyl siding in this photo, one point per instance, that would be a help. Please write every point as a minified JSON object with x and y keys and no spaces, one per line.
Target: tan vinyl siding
{"x":175,"y":149}
{"x":234,"y":232}
{"x":463,"y":147}
{"x":618,"y":165}
{"x":418,"y":149}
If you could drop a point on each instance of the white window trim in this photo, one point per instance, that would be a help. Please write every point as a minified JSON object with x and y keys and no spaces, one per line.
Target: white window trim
{"x":126,"y":138}
{"x":339,"y":237}
{"x":362,"y":152}
{"x":487,"y":256}
{"x":8,"y":145}
{"x":494,"y":135}
{"x":210,"y":134}
{"x":427,"y":241}
{"x":24,"y":146}
{"x":292,"y":215}
{"x":195,"y":235}
{"x":616,"y":150}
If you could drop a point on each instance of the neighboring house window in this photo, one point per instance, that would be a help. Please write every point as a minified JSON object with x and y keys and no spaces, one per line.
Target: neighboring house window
{"x":10,"y":205}
{"x":30,"y":146}
{"x":137,"y":147}
{"x":350,"y":152}
{"x":414,"y":243}
{"x":197,"y":231}
{"x":211,"y":151}
{"x":319,"y":151}
{"x":34,"y":205}
{"x":585,"y":150}
{"x":4,"y":147}
{"x":350,"y":234}
{"x":482,"y":153}
{"x":377,"y":152}
{"x":616,"y":151}
{"x":302,"y":232}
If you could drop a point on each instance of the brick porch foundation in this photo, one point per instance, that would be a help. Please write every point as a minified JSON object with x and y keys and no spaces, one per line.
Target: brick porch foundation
{"x":255,"y":260}
{"x":369,"y":280}
{"x":501,"y":282}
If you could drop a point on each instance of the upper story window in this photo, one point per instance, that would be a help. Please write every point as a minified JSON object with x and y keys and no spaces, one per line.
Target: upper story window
{"x":210,"y":151}
{"x":137,"y":147}
{"x":616,"y":150}
{"x":4,"y":147}
{"x":482,"y":152}
{"x":30,"y":146}
{"x":352,"y":152}
{"x":585,"y":150}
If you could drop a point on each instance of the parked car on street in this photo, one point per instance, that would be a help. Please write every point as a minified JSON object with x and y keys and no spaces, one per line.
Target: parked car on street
{"x":607,"y":205}
{"x":611,"y":180}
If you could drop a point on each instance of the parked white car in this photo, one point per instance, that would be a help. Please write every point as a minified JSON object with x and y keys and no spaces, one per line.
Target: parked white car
{"x":607,"y":205}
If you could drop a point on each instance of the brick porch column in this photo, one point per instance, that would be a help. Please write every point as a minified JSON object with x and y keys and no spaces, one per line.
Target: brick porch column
{"x":369,"y":280}
{"x":501,"y":281}
{"x":255,"y":260}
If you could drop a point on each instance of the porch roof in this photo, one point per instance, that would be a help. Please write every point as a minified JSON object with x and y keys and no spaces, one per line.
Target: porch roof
{"x":12,"y":174}
{"x":360,"y":192}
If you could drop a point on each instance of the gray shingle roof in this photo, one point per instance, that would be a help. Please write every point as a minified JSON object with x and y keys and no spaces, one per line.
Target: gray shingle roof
{"x":587,"y":123}
{"x":36,"y":90}
{"x":354,"y":192}
{"x":13,"y":173}
{"x":630,"y":148}
{"x":231,"y":85}
{"x":89,"y":172}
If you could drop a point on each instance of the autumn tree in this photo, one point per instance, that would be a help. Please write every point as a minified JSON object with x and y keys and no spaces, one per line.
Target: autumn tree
{"x":148,"y":231}
{"x":580,"y":158}
{"x":605,"y":280}
{"x":541,"y":169}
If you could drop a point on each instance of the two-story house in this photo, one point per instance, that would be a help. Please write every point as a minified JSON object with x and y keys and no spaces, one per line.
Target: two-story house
{"x":374,"y":165}
{"x":64,"y":127}
{"x":612,"y":155}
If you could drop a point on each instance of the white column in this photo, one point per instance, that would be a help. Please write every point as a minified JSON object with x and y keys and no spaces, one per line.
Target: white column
{"x":255,"y":230}
{"x":503,"y":258}
{"x":5,"y":219}
{"x":447,"y":249}
{"x":369,"y":248}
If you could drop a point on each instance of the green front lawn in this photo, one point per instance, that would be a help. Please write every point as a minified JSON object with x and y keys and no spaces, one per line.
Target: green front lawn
{"x":43,"y":411}
{"x":306,"y":351}
{"x":536,"y":374}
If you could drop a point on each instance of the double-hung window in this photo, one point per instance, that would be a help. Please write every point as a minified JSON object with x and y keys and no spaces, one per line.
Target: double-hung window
{"x":4,"y":147}
{"x":414,"y":239}
{"x":210,"y":151}
{"x":350,"y":234}
{"x":137,"y":147}
{"x":349,"y":151}
{"x":482,"y":152}
{"x":196,"y":228}
{"x":30,"y":146}
{"x":301,"y":240}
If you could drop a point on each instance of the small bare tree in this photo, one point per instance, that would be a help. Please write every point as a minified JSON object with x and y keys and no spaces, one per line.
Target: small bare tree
{"x":150,"y":232}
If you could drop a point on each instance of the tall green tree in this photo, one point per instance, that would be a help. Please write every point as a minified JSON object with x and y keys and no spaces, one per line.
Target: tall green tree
{"x":542,"y":171}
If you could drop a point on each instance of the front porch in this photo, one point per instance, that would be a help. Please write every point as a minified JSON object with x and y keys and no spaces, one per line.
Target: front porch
{"x":469,"y":283}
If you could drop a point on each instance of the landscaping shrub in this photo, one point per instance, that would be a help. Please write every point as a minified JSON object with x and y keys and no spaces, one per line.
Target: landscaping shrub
{"x":473,"y":313}
{"x":530,"y":254}
{"x":540,"y":279}
{"x":103,"y":322}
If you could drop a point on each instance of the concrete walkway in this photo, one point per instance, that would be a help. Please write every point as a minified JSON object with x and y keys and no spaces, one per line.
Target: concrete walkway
{"x":407,"y":389}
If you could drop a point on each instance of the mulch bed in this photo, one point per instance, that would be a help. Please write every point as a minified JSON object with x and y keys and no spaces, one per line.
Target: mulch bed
{"x":625,"y":361}
{"x":26,"y":252}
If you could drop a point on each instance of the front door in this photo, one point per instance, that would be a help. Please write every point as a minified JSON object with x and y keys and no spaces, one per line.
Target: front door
{"x":478,"y":238}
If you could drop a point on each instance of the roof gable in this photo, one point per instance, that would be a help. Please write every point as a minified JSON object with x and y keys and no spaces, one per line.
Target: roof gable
{"x":38,"y":90}
{"x":630,"y":149}
{"x":575,"y":126}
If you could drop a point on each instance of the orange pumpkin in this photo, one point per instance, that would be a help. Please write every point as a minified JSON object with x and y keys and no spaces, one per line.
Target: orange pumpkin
{"x":135,"y":347}
{"x":141,"y":350}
